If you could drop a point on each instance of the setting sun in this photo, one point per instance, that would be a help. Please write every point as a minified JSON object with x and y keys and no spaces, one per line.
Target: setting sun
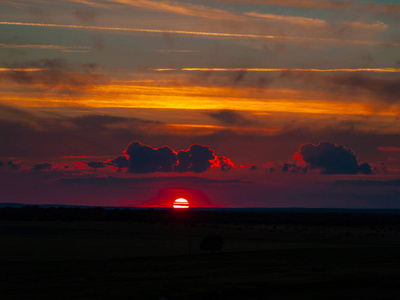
{"x":181,"y":203}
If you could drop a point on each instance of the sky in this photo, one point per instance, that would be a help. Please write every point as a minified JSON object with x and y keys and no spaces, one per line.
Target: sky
{"x":228,"y":103}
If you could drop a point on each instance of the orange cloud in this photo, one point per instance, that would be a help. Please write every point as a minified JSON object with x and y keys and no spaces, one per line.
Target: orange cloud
{"x":296,"y":3}
{"x":22,"y":69}
{"x":186,"y":9}
{"x":290,"y":19}
{"x":375,"y":70}
{"x":317,"y":23}
{"x":207,"y":98}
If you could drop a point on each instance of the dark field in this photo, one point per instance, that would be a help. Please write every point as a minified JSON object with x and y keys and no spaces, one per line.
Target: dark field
{"x":71,"y":253}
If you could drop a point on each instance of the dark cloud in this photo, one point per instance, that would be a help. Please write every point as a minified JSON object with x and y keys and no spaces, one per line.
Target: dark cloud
{"x":1,"y":164}
{"x":239,"y":76}
{"x":95,"y":164}
{"x":145,"y":159}
{"x":384,"y":87}
{"x":230,"y":118}
{"x":365,"y":169}
{"x":119,"y":162}
{"x":42,"y":134}
{"x":293,"y":168}
{"x":13,"y":166}
{"x":197,"y":159}
{"x":12,"y":113}
{"x":225,"y":163}
{"x":331,"y":159}
{"x":85,"y":15}
{"x":187,"y":181}
{"x":98,"y":43}
{"x":54,"y":74}
{"x":97,"y":122}
{"x":367,"y":183}
{"x":42,"y":166}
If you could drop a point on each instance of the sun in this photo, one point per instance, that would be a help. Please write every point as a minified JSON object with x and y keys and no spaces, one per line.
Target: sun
{"x":181,"y":203}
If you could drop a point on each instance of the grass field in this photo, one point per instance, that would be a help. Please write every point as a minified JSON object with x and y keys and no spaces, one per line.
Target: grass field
{"x":132,"y":260}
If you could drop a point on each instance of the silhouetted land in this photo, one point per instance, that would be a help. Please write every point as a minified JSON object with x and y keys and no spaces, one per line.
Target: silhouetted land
{"x":76,"y":253}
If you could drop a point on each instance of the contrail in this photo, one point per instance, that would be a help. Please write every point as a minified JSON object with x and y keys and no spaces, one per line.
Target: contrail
{"x":203,"y":33}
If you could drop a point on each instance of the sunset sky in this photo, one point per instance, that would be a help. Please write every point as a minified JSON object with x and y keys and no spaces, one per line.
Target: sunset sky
{"x":287,"y":103}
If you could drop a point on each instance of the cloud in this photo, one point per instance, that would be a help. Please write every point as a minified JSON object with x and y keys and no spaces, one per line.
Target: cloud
{"x":119,"y":162}
{"x":230,"y":118}
{"x":388,"y":88}
{"x":42,"y":166}
{"x":196,"y":159}
{"x":391,"y":149}
{"x":293,"y":168}
{"x":330,"y":158}
{"x":61,"y":135}
{"x":95,"y":164}
{"x":47,"y":47}
{"x":367,"y":183}
{"x":54,"y":74}
{"x":385,"y":88}
{"x":85,"y":15}
{"x":285,"y":72}
{"x":145,"y":159}
{"x":97,"y":122}
{"x":320,"y":24}
{"x":186,"y":9}
{"x":224,"y":163}
{"x":207,"y":34}
{"x":302,"y":21}
{"x":358,"y":6}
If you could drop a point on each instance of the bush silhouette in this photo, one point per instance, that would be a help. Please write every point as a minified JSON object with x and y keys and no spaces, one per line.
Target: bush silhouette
{"x":212,"y":243}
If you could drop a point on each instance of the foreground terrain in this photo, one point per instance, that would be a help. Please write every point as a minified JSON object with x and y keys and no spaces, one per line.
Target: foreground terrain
{"x":297,"y":255}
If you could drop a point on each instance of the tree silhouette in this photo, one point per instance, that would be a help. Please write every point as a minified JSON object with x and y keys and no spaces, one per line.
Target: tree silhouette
{"x":212,"y":243}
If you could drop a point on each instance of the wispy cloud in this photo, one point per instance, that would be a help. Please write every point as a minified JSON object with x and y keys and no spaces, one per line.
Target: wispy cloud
{"x":374,"y":70}
{"x":181,"y":8}
{"x":48,"y":47}
{"x":290,"y":19}
{"x":296,"y":3}
{"x":391,"y":149}
{"x":53,"y":74}
{"x":177,"y":51}
{"x":22,"y":69}
{"x":317,"y":23}
{"x":209,"y":34}
{"x":364,"y":6}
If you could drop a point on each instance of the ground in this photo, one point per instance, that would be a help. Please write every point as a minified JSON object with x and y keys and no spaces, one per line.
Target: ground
{"x":141,"y":260}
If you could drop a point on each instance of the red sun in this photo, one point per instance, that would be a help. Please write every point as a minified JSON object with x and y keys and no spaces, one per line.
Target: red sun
{"x":181,"y":203}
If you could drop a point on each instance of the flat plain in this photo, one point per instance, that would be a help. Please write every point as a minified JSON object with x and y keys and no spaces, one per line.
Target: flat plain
{"x":280,"y":256}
